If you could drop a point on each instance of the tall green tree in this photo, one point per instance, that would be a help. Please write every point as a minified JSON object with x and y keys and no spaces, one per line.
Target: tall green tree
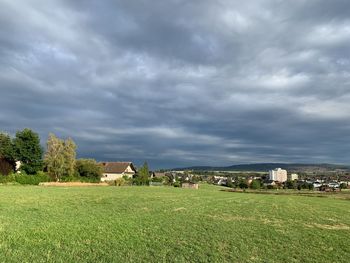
{"x":27,"y":149}
{"x":60,"y":157}
{"x":54,"y":157}
{"x":6,"y":147}
{"x":143,"y":175}
{"x":70,"y":154}
{"x":7,"y":159}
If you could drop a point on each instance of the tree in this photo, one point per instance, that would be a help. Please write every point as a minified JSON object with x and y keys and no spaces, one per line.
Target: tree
{"x":291,"y":184}
{"x":343,"y":186}
{"x":69,"y":153}
{"x":310,"y":186}
{"x":6,"y":147}
{"x":243,"y":184}
{"x":229,"y":182}
{"x":60,"y":157}
{"x":7,"y":159}
{"x":142,"y":177}
{"x":54,"y":157}
{"x":89,"y":168}
{"x":28,"y":151}
{"x":255,"y":184}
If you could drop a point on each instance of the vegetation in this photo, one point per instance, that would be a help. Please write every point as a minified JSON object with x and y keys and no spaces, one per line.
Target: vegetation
{"x":60,"y":160}
{"x":142,"y":177}
{"x":60,"y":157}
{"x":89,"y":169}
{"x":28,"y":151}
{"x":243,"y":184}
{"x":6,"y":167}
{"x":343,"y":186}
{"x":255,"y":184}
{"x":6,"y":147}
{"x":167,"y":224}
{"x":291,"y":184}
{"x":22,"y":178}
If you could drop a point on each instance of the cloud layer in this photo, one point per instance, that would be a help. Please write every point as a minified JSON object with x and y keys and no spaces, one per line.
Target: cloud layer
{"x":180,"y":82}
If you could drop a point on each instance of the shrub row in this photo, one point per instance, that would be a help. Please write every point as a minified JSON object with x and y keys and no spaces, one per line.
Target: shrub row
{"x":23,"y":178}
{"x":78,"y":178}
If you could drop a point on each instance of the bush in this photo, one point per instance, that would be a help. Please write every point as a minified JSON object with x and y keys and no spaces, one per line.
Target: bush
{"x":305,"y":185}
{"x":343,"y":186}
{"x":88,"y":169}
{"x":291,"y":184}
{"x":311,"y":186}
{"x":255,"y":184}
{"x":243,"y":185}
{"x":157,"y":179}
{"x":23,"y":178}
{"x":119,"y":182}
{"x":177,"y":184}
{"x":272,"y":186}
{"x":4,"y":179}
{"x":229,"y":182}
{"x":140,"y":180}
{"x":167,"y":180}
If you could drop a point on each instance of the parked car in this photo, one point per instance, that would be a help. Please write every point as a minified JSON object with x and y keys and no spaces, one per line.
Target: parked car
{"x":333,"y":185}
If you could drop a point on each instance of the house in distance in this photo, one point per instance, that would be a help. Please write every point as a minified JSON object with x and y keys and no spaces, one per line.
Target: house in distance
{"x":115,"y":170}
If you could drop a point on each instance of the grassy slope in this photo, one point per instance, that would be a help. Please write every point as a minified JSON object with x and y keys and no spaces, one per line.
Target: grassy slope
{"x":111,"y":224}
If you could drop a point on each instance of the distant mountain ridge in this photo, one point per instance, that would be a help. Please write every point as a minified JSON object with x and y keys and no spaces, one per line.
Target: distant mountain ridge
{"x":264,"y":167}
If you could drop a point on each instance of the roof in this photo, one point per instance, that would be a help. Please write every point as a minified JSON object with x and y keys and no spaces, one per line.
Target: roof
{"x":116,"y":167}
{"x":159,"y":174}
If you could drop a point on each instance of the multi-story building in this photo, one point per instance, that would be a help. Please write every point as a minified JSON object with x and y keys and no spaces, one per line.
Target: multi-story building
{"x":293,"y":177}
{"x":278,"y":175}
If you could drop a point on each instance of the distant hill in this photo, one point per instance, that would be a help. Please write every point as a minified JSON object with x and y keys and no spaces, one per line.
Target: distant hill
{"x":264,"y":167}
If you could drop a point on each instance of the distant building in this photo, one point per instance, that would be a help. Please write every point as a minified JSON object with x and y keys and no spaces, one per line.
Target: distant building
{"x":158,"y":174}
{"x":220,"y":180}
{"x":293,"y":177}
{"x":317,"y":184}
{"x":270,"y":182}
{"x":115,"y":170}
{"x":278,"y":175}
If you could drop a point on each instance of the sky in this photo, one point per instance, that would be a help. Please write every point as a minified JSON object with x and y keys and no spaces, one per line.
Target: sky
{"x":179,"y":83}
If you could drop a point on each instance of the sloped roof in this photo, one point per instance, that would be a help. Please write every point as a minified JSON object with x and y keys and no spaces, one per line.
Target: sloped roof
{"x":159,"y":174}
{"x":116,"y":167}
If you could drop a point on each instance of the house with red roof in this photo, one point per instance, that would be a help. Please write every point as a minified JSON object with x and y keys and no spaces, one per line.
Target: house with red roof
{"x":115,"y":170}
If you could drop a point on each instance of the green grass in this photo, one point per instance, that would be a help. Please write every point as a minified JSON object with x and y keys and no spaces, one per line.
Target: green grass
{"x":164,"y":224}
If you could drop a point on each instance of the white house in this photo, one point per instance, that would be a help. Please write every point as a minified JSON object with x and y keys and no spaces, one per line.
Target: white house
{"x":293,"y":177}
{"x":18,"y":167}
{"x":115,"y":170}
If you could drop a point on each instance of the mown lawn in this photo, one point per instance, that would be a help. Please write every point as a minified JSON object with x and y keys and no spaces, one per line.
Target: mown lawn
{"x":164,"y":224}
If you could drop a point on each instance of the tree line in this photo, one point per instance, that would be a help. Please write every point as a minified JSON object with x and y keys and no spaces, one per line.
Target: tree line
{"x":58,"y":161}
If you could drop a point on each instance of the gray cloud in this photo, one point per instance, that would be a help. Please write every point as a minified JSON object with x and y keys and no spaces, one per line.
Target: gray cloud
{"x":180,"y":82}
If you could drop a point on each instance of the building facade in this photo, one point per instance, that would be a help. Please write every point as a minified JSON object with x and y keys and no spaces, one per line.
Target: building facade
{"x":115,"y":170}
{"x":293,"y":177}
{"x":278,"y":175}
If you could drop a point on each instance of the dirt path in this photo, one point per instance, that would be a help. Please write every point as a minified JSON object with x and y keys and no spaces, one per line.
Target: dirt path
{"x":72,"y":184}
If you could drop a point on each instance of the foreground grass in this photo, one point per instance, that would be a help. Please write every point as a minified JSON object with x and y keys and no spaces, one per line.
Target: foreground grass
{"x":151,"y":224}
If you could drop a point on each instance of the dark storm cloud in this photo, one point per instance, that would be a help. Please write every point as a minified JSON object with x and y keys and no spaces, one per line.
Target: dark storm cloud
{"x":180,"y":82}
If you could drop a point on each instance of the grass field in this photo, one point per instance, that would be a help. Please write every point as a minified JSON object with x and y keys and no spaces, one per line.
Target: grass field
{"x":164,"y":224}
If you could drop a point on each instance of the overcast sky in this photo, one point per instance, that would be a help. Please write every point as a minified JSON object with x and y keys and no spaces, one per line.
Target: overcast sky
{"x":178,"y":82}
